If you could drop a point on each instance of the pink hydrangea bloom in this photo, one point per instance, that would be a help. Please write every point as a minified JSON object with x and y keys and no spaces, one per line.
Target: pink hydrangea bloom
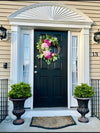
{"x":44,"y":45}
{"x":46,"y":53}
{"x":46,"y":41}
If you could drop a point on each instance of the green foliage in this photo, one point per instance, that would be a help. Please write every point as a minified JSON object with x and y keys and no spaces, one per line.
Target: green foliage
{"x":83,"y":91}
{"x":47,"y":37}
{"x":55,"y":58}
{"x":55,"y":40}
{"x":20,"y":90}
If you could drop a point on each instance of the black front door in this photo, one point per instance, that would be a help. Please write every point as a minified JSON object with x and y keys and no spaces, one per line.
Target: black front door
{"x":50,"y":81}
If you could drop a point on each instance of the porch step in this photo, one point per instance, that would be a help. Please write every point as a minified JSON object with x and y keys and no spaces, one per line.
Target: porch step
{"x":29,"y":113}
{"x":51,"y":112}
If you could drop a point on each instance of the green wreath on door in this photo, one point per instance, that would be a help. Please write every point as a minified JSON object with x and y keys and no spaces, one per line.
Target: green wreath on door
{"x":45,"y":51}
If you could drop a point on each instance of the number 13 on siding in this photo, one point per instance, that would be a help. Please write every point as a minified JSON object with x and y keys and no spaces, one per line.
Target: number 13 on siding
{"x":94,"y":53}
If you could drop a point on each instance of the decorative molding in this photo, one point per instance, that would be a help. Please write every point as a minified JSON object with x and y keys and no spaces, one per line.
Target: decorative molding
{"x":44,"y":25}
{"x":49,"y":12}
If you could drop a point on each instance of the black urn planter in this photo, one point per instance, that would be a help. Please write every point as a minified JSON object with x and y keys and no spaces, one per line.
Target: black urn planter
{"x":18,"y":110}
{"x":83,"y":109}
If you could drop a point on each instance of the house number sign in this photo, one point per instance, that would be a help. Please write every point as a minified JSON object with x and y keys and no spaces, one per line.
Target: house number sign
{"x":95,"y":54}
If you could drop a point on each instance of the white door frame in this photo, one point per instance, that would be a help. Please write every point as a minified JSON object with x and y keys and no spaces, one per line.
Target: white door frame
{"x":19,"y":23}
{"x":83,"y":64}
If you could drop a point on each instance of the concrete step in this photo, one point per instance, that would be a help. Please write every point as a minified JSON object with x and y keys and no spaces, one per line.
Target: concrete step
{"x":29,"y":113}
{"x":51,"y":112}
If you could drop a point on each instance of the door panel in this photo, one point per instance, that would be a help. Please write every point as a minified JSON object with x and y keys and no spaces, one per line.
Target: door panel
{"x":50,"y":81}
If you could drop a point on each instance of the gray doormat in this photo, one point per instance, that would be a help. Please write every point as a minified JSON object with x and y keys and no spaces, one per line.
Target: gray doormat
{"x":56,"y":122}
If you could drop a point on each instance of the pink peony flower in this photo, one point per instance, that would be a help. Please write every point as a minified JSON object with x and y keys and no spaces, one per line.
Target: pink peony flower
{"x":46,"y":41}
{"x":48,"y":57}
{"x":46,"y":53}
{"x":44,"y":45}
{"x":51,"y":53}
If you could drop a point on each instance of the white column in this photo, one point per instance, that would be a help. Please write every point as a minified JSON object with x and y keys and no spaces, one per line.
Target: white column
{"x":15,"y":56}
{"x":84,"y":56}
{"x":84,"y":75}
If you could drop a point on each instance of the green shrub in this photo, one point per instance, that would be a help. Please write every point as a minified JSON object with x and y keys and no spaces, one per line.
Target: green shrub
{"x":20,"y":90}
{"x":83,"y":91}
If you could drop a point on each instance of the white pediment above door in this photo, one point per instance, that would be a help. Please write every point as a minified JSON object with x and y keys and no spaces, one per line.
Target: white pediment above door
{"x":50,"y":12}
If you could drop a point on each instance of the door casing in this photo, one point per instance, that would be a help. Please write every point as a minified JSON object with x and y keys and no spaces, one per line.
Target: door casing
{"x":84,"y":56}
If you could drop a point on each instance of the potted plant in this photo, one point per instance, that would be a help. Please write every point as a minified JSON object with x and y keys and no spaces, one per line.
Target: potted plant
{"x":18,"y":94}
{"x":83,"y":93}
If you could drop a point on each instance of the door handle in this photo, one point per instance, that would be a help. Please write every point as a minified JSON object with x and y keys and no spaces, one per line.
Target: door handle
{"x":35,"y":72}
